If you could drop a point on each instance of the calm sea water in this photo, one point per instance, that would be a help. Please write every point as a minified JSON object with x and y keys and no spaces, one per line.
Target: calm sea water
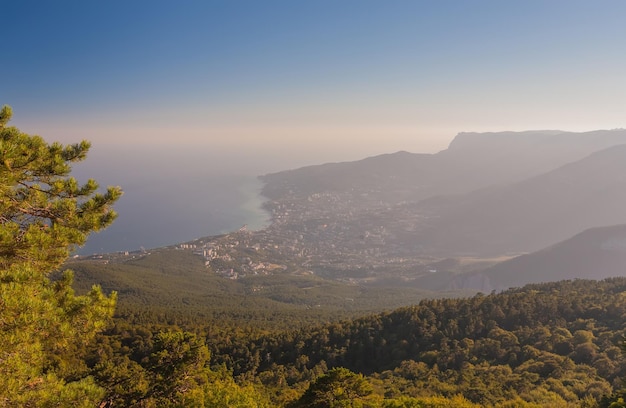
{"x":155,"y":216}
{"x":172,"y":196}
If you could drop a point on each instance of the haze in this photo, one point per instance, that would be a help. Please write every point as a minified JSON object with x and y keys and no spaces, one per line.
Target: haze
{"x":354,"y":77}
{"x":173,"y":94}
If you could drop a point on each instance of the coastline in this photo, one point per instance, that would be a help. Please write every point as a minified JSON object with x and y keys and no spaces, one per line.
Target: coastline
{"x":252,"y":206}
{"x":151,"y":220}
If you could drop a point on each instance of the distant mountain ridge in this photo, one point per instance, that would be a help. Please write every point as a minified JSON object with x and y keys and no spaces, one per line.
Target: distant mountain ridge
{"x":581,"y":141}
{"x":472,"y":161}
{"x":531,"y":214}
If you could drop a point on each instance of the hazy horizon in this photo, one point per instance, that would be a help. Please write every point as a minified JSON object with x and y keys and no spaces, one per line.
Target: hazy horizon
{"x":354,"y":78}
{"x":255,"y":87}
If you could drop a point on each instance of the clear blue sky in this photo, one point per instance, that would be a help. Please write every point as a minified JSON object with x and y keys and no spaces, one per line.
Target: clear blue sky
{"x":313,"y":80}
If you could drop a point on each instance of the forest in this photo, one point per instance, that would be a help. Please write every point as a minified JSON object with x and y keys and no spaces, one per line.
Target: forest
{"x":552,"y":344}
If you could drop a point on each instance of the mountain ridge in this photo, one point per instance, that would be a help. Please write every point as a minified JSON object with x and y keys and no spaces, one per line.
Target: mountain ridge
{"x":536,"y":212}
{"x":472,"y":161}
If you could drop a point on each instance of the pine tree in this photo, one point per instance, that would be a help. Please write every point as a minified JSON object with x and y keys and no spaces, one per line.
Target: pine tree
{"x":44,"y":213}
{"x":44,"y":326}
{"x":340,"y":387}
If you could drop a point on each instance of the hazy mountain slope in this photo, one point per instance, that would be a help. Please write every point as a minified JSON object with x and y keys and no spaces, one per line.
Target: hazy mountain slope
{"x":596,"y":253}
{"x":472,"y":161}
{"x":175,"y":282}
{"x":483,"y":159}
{"x":391,"y":177}
{"x":532,"y":214}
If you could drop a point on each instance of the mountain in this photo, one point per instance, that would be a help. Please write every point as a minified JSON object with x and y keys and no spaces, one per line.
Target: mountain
{"x":389,"y":177}
{"x":472,"y":161}
{"x":529,"y":215}
{"x":596,"y":253}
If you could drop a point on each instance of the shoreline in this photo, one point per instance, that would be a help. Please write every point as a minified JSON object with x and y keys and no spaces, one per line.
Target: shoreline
{"x":239,"y":202}
{"x":253,"y":205}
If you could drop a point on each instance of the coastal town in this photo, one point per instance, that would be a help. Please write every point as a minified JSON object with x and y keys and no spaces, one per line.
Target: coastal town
{"x":323,"y":234}
{"x":333,"y":235}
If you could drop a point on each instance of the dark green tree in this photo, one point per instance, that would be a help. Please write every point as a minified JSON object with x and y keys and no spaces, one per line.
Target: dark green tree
{"x":44,"y":326}
{"x":339,"y":388}
{"x":45,"y":213}
{"x":174,"y":372}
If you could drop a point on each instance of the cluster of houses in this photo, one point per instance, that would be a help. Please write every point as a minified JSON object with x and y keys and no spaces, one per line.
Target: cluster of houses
{"x":225,"y":256}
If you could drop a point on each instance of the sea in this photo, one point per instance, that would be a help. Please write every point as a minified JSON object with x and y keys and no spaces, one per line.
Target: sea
{"x":169,"y":199}
{"x":156,"y":218}
{"x":180,"y":192}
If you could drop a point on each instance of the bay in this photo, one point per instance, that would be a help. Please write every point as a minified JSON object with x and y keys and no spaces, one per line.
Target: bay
{"x":165,"y":204}
{"x":149,"y":217}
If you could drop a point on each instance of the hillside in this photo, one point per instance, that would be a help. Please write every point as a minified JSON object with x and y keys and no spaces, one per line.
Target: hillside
{"x":596,"y":253}
{"x":529,"y":215}
{"x":174,"y":285}
{"x":174,"y":282}
{"x":551,"y":344}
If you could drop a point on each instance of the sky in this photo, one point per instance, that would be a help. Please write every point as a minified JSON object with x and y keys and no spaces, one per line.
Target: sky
{"x":314,"y":80}
{"x":262,"y":86}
